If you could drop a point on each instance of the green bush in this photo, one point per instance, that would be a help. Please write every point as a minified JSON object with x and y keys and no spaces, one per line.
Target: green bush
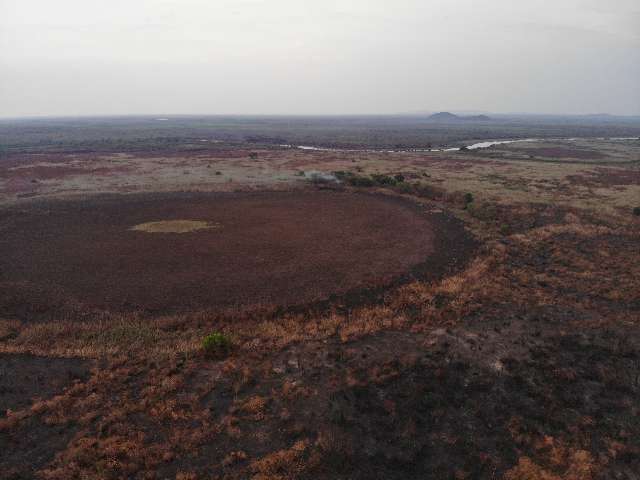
{"x":468,"y":198}
{"x":636,"y":211}
{"x":216,"y":345}
{"x":399,"y":178}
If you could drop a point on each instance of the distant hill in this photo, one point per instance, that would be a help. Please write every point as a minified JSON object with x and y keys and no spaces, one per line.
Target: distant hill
{"x":448,"y":117}
{"x":443,"y":117}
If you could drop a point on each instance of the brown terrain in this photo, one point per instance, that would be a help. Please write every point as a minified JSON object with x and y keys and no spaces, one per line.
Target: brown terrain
{"x":467,"y":315}
{"x":282,"y":248}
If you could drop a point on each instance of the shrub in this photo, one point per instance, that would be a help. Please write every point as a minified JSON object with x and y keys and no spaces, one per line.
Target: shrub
{"x":384,"y":180}
{"x":468,"y":198}
{"x":216,"y":345}
{"x":354,"y":179}
{"x":253,"y":155}
{"x":636,"y":211}
{"x":399,"y":178}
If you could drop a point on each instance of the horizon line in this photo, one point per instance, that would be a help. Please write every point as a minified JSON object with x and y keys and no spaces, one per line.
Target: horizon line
{"x":319,"y":115}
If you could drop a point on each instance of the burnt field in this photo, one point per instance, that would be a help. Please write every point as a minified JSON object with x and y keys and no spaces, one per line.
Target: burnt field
{"x":279,"y":248}
{"x":467,"y":315}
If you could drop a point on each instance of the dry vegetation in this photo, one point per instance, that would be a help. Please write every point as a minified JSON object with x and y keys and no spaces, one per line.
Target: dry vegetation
{"x":174,"y":226}
{"x":522,"y":364}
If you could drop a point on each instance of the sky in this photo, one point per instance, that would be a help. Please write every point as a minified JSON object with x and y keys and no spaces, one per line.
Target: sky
{"x":116,"y":57}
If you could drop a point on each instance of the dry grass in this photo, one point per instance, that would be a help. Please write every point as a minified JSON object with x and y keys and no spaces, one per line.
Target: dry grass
{"x":174,"y":226}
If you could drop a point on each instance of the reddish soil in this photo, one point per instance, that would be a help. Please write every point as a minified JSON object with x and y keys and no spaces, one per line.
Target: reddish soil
{"x":23,"y":159}
{"x":48,"y":172}
{"x":272,"y":248}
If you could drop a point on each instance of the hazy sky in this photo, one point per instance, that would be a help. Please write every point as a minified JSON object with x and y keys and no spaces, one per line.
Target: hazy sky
{"x":82,"y":57}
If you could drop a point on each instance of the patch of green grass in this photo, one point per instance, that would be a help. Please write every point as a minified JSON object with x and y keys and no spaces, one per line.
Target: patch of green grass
{"x":216,"y":345}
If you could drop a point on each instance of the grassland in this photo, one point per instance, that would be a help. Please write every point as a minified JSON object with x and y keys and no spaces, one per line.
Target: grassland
{"x":519,"y":359}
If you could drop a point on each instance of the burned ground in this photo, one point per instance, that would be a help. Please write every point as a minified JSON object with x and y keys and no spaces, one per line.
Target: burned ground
{"x":266,"y":248}
{"x":25,"y":377}
{"x":520,"y":360}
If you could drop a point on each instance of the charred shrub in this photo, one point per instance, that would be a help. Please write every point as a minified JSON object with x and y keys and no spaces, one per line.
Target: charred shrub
{"x":216,"y":345}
